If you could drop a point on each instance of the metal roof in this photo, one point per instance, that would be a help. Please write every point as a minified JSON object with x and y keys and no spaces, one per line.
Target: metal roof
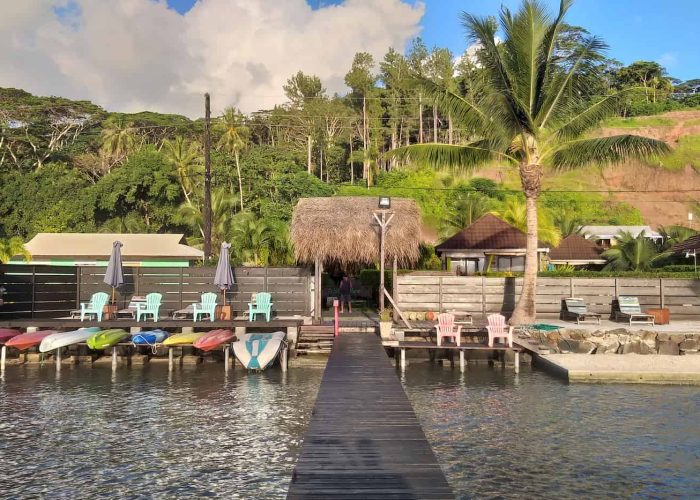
{"x":609,"y":232}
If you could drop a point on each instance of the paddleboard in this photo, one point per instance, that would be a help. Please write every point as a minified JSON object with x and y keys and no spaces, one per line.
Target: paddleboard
{"x":106,"y":338}
{"x":27,"y":340}
{"x":213,"y":339}
{"x":149,"y":337}
{"x":63,"y":339}
{"x":7,"y":333}
{"x":256,"y":351}
{"x":183,"y":338}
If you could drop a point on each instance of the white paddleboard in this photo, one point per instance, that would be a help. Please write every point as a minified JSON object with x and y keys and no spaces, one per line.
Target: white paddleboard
{"x":256,"y":351}
{"x":63,"y":339}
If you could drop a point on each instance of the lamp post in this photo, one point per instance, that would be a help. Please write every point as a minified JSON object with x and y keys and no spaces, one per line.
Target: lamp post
{"x":694,"y":254}
{"x":381,"y":217}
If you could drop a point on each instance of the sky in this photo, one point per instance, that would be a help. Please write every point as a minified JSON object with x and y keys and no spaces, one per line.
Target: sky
{"x":162,"y":55}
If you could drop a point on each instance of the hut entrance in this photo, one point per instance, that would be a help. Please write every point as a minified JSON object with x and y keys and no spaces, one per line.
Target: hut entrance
{"x":343,"y":232}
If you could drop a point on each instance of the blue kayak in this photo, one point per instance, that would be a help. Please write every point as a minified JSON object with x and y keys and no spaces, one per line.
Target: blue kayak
{"x":149,"y":337}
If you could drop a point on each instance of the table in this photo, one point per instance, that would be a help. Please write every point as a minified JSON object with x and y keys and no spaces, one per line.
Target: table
{"x":661,"y":316}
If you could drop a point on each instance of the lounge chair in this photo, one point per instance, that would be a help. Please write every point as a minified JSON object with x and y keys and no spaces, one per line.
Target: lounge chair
{"x":462,"y":317}
{"x":573,"y":308}
{"x":207,"y":306}
{"x":498,"y":328}
{"x":628,"y":308}
{"x":96,"y":306}
{"x":261,"y":305}
{"x":150,"y":308}
{"x":446,"y":327}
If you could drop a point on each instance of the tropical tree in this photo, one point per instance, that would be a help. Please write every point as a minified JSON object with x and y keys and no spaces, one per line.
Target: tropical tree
{"x":534,"y":111}
{"x":464,"y":211}
{"x":117,"y":142}
{"x":631,"y":253}
{"x":234,"y":139}
{"x":260,"y":242}
{"x":514,"y":212}
{"x":222,"y":207}
{"x":11,"y":247}
{"x":568,"y":223}
{"x":185,"y":157}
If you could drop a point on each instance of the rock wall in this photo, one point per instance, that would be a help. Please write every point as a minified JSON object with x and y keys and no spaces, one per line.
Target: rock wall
{"x":620,"y":341}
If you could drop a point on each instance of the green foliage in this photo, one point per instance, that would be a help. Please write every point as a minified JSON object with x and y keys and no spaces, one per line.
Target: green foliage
{"x":11,"y":247}
{"x":686,"y":153}
{"x":259,"y":242}
{"x":428,"y":259}
{"x":631,"y":253}
{"x":638,"y":122}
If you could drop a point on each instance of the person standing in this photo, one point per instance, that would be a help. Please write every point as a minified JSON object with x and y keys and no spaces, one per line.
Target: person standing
{"x":346,"y":293}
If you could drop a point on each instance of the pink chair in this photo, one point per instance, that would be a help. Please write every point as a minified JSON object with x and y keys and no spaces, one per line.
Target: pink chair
{"x":446,"y":328}
{"x":497,"y":327}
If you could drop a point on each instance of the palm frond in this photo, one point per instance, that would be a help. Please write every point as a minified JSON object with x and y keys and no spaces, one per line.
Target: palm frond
{"x":606,"y":150}
{"x":590,"y":116}
{"x":448,"y":157}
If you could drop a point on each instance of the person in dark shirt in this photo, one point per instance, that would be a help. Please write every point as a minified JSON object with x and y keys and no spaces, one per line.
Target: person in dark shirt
{"x":345,"y":293}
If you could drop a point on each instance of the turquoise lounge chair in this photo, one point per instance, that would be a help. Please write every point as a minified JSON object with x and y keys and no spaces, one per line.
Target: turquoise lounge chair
{"x":96,"y":306}
{"x":207,"y":306}
{"x":262,"y":305}
{"x":151,"y":307}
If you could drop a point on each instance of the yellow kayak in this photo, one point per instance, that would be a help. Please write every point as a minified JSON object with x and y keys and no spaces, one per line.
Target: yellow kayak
{"x":183,"y":338}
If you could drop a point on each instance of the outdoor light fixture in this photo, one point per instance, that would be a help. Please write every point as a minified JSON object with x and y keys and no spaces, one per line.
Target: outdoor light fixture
{"x":384,"y":202}
{"x":694,"y":255}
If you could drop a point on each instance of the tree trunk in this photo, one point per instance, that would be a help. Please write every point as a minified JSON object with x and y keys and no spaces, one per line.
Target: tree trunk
{"x":420,"y":118}
{"x":525,"y":310}
{"x":240,"y":181}
{"x":308,"y":154}
{"x":365,"y":158}
{"x":320,"y":163}
{"x":450,"y":129}
{"x":435,"y":123}
{"x":352,"y":165}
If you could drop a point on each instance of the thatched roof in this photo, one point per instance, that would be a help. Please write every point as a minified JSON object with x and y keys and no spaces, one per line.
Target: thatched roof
{"x":343,"y":229}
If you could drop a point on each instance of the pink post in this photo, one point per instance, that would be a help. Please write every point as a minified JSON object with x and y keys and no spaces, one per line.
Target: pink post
{"x":336,"y":303}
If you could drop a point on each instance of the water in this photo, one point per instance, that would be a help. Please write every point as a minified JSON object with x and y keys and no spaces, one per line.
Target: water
{"x":503,"y":435}
{"x":142,"y":432}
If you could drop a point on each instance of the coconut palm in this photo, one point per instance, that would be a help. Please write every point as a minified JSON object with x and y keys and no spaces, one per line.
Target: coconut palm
{"x":118,"y":140}
{"x":11,"y":247}
{"x":514,"y":212}
{"x":222,"y":207}
{"x":534,"y":112}
{"x":631,"y":253}
{"x":260,"y":242}
{"x":234,"y":139}
{"x":568,"y":223}
{"x":185,"y":157}
{"x":465,"y":210}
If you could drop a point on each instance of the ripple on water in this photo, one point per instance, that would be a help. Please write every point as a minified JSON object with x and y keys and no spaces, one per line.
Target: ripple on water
{"x":503,"y":435}
{"x":142,"y":432}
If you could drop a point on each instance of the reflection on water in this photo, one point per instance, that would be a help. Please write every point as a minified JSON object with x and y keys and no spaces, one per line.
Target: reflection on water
{"x":143,"y":431}
{"x":498,"y":434}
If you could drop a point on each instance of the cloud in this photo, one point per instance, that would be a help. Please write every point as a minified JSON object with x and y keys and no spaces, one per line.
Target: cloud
{"x":132,"y":55}
{"x":668,"y":59}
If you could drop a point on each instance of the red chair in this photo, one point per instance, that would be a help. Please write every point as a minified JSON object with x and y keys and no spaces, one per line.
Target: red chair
{"x":498,"y":328}
{"x":446,"y":328}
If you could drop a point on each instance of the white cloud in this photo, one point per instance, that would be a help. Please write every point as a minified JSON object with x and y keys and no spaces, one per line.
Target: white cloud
{"x":131,"y":55}
{"x":668,"y":59}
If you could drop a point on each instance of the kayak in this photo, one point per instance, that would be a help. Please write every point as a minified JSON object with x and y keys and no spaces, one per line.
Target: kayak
{"x":63,"y":339}
{"x":106,"y":338}
{"x":183,"y":338}
{"x":257,"y":351}
{"x":213,"y":339}
{"x":149,"y":337}
{"x":7,"y":333}
{"x":27,"y":340}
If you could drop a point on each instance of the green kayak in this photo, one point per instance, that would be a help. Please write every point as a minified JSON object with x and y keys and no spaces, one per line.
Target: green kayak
{"x":106,"y":338}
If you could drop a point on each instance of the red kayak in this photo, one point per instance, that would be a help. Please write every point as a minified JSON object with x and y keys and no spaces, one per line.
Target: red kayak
{"x":213,"y":339}
{"x":7,"y":333}
{"x":27,"y":340}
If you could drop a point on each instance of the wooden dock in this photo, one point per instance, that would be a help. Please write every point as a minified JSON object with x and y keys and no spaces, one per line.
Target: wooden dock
{"x":364,"y":439}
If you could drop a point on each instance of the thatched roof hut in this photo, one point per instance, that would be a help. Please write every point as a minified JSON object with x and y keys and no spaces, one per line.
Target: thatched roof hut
{"x":343,"y":230}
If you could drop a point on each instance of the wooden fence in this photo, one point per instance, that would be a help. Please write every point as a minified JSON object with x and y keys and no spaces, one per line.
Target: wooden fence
{"x":54,"y":291}
{"x":483,"y":296}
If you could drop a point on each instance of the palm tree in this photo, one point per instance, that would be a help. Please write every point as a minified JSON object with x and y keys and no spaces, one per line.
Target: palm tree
{"x":514,"y":212}
{"x":11,"y":247}
{"x":118,"y":140}
{"x":222,"y":207}
{"x":465,"y":210}
{"x":260,"y":242}
{"x":631,"y":253}
{"x":234,"y":139}
{"x":185,"y":157}
{"x":534,"y":112}
{"x":568,"y":223}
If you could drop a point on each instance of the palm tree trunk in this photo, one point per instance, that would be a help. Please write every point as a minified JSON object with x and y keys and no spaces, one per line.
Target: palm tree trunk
{"x":308,"y":154}
{"x":420,"y":118}
{"x":525,"y":310}
{"x":352,"y":165}
{"x":450,"y":129}
{"x":365,"y":140}
{"x":240,"y":182}
{"x":435,"y":123}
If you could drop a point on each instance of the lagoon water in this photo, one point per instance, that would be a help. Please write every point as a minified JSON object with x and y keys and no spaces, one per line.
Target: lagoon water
{"x":197,"y":432}
{"x":143,"y":432}
{"x":502,"y":435}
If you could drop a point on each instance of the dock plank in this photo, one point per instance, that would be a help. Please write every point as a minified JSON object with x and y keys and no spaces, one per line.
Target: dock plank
{"x":364,"y":439}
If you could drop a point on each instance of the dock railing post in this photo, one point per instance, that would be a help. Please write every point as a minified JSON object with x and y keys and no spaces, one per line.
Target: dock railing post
{"x":226,"y":361}
{"x":336,"y":321}
{"x":284,"y":357}
{"x":170,"y":359}
{"x":2,"y":359}
{"x":517,"y":361}
{"x":114,"y":358}
{"x":461,"y":360}
{"x":58,"y":359}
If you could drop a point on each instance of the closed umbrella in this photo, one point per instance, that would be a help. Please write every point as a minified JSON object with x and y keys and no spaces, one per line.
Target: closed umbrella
{"x":224,"y":275}
{"x":114,"y":275}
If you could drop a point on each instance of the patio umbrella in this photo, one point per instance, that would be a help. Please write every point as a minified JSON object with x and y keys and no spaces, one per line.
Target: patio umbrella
{"x":224,"y":275}
{"x":114,"y":275}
